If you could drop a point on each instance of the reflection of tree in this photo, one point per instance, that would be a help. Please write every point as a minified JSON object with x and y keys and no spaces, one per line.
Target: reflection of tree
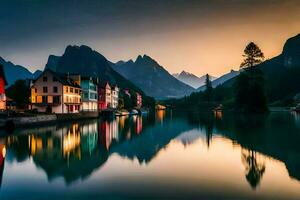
{"x":254,"y":168}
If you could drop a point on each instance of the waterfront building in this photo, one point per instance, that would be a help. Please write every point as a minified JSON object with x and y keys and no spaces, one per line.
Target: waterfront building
{"x":114,"y":97}
{"x":138,"y":100}
{"x":104,"y":96}
{"x":3,"y":83}
{"x":55,"y":93}
{"x":89,"y":96}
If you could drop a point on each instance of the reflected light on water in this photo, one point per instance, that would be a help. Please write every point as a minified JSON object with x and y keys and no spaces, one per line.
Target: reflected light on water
{"x":170,"y":159}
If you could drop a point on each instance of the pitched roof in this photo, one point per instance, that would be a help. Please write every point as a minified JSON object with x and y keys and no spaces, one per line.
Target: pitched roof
{"x":62,"y":78}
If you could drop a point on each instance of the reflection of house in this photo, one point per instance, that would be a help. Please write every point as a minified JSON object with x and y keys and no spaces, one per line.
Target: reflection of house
{"x":70,"y":152}
{"x":139,"y":124}
{"x":3,"y":83}
{"x":109,"y":131}
{"x":104,"y":96}
{"x":53,"y":92}
{"x":2,"y":160}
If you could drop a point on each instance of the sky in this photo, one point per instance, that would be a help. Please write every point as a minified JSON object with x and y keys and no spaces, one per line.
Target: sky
{"x":198,"y":36}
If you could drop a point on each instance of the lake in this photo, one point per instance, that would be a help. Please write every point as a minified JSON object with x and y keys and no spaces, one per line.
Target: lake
{"x":164,"y":155}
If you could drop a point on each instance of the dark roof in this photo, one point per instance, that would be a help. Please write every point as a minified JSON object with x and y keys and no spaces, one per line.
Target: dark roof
{"x":62,"y":78}
{"x":103,"y":84}
{"x":3,"y":74}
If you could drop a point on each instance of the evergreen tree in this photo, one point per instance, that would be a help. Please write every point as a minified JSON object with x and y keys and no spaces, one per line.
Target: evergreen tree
{"x":20,"y":93}
{"x":253,"y":56}
{"x":249,"y":85}
{"x":208,"y":88}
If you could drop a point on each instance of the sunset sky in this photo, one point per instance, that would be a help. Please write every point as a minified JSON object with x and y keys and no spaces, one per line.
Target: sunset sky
{"x":200,"y":36}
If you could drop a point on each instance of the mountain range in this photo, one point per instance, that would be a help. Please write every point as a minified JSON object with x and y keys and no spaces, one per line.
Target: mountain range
{"x":191,"y":79}
{"x":87,"y":62}
{"x":14,"y":72}
{"x":149,"y":77}
{"x":221,"y":80}
{"x":152,"y":78}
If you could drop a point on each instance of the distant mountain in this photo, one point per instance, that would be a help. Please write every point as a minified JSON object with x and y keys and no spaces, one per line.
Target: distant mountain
{"x":151,"y":77}
{"x":36,"y":74}
{"x":191,"y":79}
{"x":87,"y":62}
{"x":221,"y":80}
{"x":14,"y":72}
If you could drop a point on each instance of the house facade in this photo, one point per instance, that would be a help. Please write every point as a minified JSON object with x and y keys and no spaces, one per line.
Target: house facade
{"x":89,"y":94}
{"x":55,"y":93}
{"x":114,"y":97}
{"x":3,"y":83}
{"x":104,"y":96}
{"x":139,"y":102}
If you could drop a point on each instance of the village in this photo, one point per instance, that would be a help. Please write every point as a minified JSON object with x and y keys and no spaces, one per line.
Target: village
{"x":55,"y":96}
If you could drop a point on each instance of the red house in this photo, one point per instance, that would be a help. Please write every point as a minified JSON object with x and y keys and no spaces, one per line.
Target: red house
{"x":138,"y":100}
{"x":104,"y":96}
{"x":3,"y":83}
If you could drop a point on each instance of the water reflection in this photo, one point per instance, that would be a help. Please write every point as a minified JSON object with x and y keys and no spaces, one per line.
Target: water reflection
{"x":254,"y":168}
{"x":191,"y":149}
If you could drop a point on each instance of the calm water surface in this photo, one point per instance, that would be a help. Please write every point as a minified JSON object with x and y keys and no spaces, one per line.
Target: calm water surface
{"x":159,"y":156}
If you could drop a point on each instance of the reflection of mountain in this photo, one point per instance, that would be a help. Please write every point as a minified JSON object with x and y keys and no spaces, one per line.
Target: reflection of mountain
{"x":147,"y":145}
{"x":189,"y":137}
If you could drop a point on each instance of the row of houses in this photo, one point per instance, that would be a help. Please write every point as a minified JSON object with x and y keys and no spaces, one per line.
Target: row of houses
{"x":60,"y":93}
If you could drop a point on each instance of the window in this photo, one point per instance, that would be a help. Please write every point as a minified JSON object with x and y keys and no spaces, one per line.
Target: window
{"x":76,"y":91}
{"x":67,"y":89}
{"x":55,"y":89}
{"x":44,"y":99}
{"x":45,"y":89}
{"x":71,"y":90}
{"x":56,"y":99}
{"x":45,"y":78}
{"x":54,"y":79}
{"x":85,"y":95}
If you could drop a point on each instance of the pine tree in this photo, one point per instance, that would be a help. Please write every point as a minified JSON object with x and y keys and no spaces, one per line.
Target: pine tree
{"x":253,"y":56}
{"x":249,"y":85}
{"x":209,"y":88}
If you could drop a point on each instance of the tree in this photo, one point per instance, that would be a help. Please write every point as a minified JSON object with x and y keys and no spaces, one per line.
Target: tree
{"x":252,"y":56}
{"x":20,"y":93}
{"x":249,"y":85}
{"x":209,"y":88}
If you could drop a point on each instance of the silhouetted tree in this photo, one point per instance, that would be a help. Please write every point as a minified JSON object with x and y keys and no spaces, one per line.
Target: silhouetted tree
{"x":19,"y":92}
{"x":249,"y":85}
{"x":208,"y":88}
{"x":253,"y":56}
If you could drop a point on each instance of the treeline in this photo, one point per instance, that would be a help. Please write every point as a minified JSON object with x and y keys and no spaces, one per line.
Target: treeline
{"x":245,"y":93}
